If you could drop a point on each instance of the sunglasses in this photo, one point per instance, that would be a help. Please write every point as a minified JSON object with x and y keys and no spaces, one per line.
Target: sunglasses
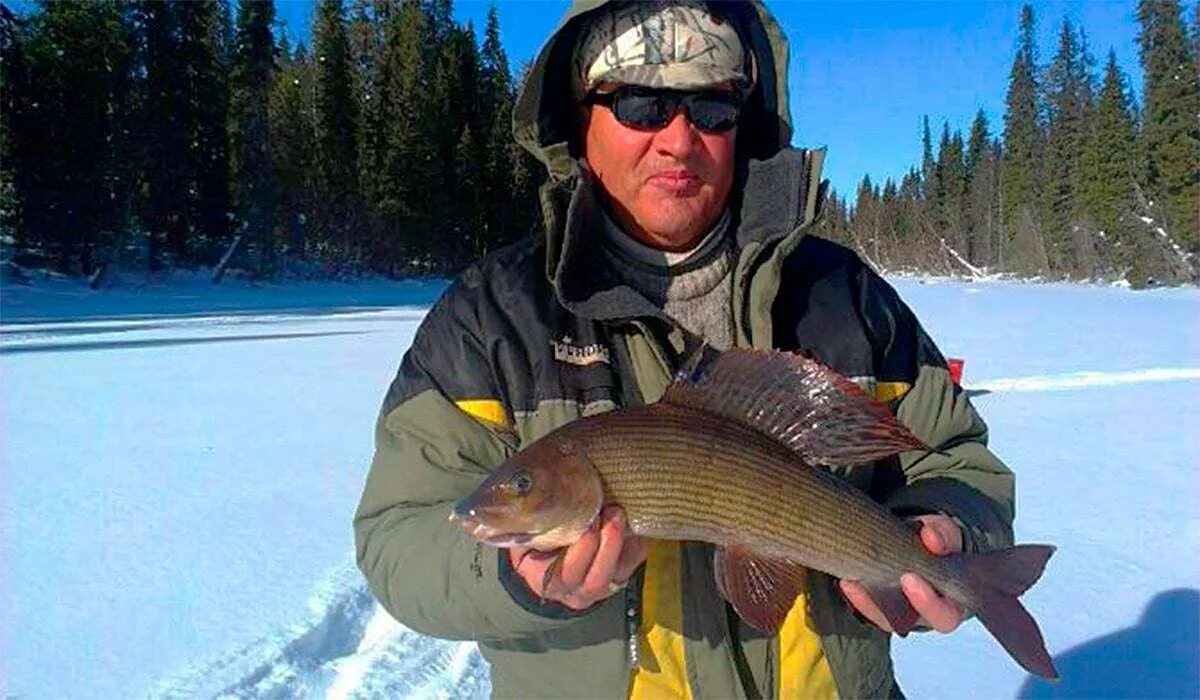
{"x":642,"y":107}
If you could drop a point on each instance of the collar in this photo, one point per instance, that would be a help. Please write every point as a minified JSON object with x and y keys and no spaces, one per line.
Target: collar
{"x":773,"y":200}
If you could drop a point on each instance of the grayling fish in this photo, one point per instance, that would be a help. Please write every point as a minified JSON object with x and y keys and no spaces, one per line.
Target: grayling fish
{"x":731,"y":455}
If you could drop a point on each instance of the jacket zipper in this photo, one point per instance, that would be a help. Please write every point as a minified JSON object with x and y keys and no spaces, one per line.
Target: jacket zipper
{"x":633,"y":621}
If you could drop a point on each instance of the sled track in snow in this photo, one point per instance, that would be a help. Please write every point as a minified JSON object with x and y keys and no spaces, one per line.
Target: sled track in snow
{"x":345,"y":647}
{"x":1083,"y":380}
{"x":19,"y":330}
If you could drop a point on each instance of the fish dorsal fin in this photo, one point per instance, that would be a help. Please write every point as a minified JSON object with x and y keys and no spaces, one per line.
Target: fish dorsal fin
{"x":822,"y":416}
{"x":761,"y":590}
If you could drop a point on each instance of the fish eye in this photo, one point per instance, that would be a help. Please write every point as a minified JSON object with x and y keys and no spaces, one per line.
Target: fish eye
{"x":522,"y":482}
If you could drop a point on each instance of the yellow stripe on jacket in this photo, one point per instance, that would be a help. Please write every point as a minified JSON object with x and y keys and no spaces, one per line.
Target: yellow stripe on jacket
{"x":489,"y":411}
{"x":886,"y":391}
{"x":662,"y":669}
{"x":803,"y":670}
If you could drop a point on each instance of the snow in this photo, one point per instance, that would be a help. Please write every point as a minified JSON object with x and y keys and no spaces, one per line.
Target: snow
{"x":179,"y":466}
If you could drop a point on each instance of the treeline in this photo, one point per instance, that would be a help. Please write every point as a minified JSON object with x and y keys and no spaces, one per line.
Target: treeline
{"x":1080,"y":183}
{"x":154,"y":134}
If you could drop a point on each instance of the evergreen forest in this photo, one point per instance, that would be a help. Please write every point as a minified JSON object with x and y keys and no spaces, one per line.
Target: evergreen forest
{"x":161,"y":134}
{"x":1078,"y":182}
{"x":152,"y":134}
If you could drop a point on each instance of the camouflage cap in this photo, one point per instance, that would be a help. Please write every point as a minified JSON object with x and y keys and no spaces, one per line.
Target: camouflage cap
{"x":666,"y":43}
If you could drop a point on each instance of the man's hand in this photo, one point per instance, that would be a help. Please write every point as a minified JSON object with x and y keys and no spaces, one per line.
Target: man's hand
{"x":941,"y":536}
{"x":592,"y":569}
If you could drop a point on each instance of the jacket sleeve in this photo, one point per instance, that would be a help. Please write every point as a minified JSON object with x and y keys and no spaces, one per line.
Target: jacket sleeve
{"x":429,"y":452}
{"x":962,"y":479}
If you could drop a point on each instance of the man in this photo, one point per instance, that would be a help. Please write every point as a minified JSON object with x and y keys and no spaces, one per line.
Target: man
{"x":675,"y":215}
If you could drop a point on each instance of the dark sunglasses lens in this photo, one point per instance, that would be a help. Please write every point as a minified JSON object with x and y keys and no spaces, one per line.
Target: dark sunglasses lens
{"x":712,"y":113}
{"x":643,"y":111}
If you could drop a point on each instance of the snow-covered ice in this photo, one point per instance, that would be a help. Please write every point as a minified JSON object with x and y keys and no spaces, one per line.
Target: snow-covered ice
{"x":179,"y":467}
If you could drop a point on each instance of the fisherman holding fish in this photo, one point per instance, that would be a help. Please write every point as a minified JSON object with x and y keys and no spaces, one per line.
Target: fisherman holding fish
{"x":677,"y":446}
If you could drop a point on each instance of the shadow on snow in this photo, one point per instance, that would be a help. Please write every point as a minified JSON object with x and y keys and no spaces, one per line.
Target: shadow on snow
{"x":1157,"y":658}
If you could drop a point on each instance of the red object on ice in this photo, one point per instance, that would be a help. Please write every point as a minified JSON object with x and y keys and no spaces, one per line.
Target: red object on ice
{"x":956,"y":369}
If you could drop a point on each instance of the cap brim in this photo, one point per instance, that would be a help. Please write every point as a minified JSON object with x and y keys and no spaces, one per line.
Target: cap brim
{"x":677,"y":76}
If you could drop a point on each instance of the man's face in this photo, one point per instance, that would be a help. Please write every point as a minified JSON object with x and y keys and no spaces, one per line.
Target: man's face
{"x":666,"y":187}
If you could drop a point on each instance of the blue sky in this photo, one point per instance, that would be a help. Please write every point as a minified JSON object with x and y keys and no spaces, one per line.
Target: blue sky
{"x":862,"y":74}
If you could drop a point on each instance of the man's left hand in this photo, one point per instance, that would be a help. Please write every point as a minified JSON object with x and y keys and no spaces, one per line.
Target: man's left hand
{"x":941,"y":536}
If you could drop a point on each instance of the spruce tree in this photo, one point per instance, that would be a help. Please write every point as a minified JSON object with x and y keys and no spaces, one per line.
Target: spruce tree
{"x":366,"y":41}
{"x":295,"y":154}
{"x":457,"y":206}
{"x":1067,"y":89}
{"x":1022,"y":153}
{"x":251,"y":156}
{"x":407,"y":154}
{"x":166,"y":136}
{"x":186,"y":134}
{"x":928,"y":164}
{"x":496,"y":113}
{"x":1109,"y":158}
{"x":13,"y":91}
{"x":981,"y":176}
{"x":336,"y":123}
{"x":204,"y":24}
{"x":77,"y":58}
{"x":954,"y":187}
{"x":1170,"y":129}
{"x":938,"y":191}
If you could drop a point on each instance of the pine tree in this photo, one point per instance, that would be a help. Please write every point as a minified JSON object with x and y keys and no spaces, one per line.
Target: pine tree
{"x":185,"y":133}
{"x":1067,"y":89}
{"x":295,"y":153}
{"x":407,"y":154}
{"x":77,"y":58}
{"x":496,"y":106}
{"x":366,"y":41}
{"x":981,"y":199}
{"x":928,"y":164}
{"x":12,"y":90}
{"x":457,"y":135}
{"x":1109,"y":159}
{"x":1022,"y":153}
{"x":336,"y":123}
{"x":953,"y":172}
{"x":203,"y":25}
{"x":1170,"y":130}
{"x":251,"y":156}
{"x":166,"y":136}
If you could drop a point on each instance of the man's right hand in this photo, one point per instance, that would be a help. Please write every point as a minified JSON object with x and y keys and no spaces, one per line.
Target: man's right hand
{"x":595,"y":567}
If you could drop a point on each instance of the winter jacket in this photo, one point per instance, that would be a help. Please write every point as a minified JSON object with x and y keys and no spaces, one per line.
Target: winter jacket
{"x":537,"y":335}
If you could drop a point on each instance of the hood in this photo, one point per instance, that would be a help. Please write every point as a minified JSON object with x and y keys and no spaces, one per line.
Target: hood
{"x":543,"y":117}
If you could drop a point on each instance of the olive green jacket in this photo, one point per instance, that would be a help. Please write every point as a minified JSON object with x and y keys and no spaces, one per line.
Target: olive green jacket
{"x":535,"y":336}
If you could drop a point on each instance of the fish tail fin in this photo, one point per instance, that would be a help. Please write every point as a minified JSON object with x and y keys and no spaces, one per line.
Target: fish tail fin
{"x":997,"y":579}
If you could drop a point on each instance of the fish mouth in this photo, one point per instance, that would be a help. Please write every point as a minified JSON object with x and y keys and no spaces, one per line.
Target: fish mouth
{"x":488,"y":534}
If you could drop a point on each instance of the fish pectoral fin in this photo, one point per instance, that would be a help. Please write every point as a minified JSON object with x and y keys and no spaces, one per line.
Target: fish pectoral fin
{"x":761,"y":590}
{"x":894,"y":605}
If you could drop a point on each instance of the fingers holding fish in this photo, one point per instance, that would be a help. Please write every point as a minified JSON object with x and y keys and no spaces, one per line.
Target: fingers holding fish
{"x":633,"y":555}
{"x":618,"y":556}
{"x":591,"y":569}
{"x":611,"y":533}
{"x":936,"y":611}
{"x":940,"y":534}
{"x":860,"y":600}
{"x":578,"y":558}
